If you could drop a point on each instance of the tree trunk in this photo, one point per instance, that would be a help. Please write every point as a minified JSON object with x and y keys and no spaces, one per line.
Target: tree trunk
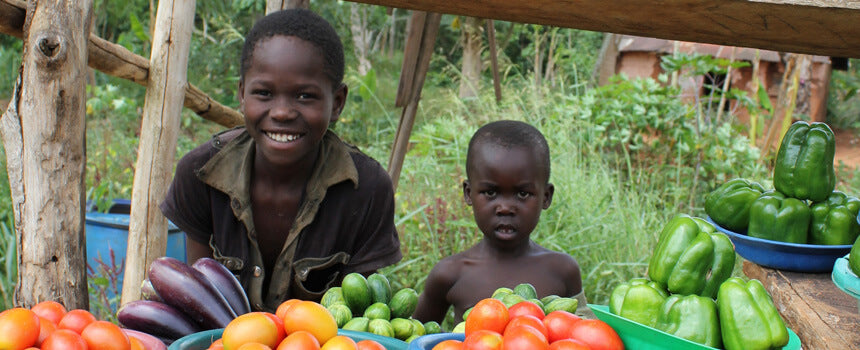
{"x":147,"y":237}
{"x":50,"y":211}
{"x":361,"y":36}
{"x":606,"y":59}
{"x":472,"y":47}
{"x":276,"y":5}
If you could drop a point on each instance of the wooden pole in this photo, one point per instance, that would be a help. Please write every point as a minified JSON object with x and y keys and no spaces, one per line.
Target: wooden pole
{"x":116,"y":60}
{"x":277,"y":5}
{"x":494,"y":59}
{"x":147,"y":236}
{"x":51,"y":115}
{"x":407,"y":119}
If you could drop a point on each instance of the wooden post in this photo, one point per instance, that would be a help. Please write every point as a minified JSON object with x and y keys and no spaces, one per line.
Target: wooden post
{"x":147,"y":236}
{"x":50,"y":112}
{"x":494,"y":59}
{"x":410,"y":87}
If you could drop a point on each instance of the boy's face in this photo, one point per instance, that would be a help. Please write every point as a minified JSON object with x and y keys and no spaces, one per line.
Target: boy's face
{"x":287,"y":99}
{"x":507,"y":191}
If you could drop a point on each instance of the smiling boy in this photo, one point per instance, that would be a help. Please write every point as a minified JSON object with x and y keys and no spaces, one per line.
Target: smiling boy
{"x":507,"y":186}
{"x":283,"y":202}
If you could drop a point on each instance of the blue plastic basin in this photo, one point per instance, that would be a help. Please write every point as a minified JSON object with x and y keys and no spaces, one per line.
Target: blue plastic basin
{"x":108,"y":232}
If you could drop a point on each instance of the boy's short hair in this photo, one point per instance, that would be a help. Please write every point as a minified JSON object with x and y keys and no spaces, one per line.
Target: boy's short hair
{"x":303,"y":24}
{"x":510,"y":134}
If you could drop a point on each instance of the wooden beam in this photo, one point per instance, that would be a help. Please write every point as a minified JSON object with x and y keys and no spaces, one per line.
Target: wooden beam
{"x":159,"y":132}
{"x":819,"y":27}
{"x":116,"y":60}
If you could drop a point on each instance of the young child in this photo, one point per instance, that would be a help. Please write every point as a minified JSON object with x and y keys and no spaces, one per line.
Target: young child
{"x":507,"y":186}
{"x":282,"y":201}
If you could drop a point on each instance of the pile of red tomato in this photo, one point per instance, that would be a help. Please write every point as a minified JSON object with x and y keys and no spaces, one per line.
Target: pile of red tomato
{"x":48,"y":326}
{"x":492,"y":326}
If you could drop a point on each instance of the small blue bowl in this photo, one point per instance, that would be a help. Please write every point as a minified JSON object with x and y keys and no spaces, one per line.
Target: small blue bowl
{"x":785,"y":256}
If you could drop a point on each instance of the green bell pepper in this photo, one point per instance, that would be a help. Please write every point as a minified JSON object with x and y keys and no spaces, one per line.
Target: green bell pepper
{"x":691,"y":317}
{"x":804,"y":162}
{"x":748,"y":318}
{"x":638,"y":300}
{"x":776,"y":217}
{"x":834,"y":221}
{"x":691,"y":257}
{"x":729,"y":204}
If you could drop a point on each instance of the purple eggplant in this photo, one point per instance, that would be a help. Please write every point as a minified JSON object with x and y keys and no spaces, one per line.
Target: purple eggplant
{"x":225,"y":282}
{"x":157,"y":319}
{"x":187,"y":289}
{"x":147,"y":292}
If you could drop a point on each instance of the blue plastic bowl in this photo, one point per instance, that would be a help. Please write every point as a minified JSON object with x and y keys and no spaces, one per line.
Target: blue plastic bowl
{"x":785,"y":256}
{"x":202,"y":340}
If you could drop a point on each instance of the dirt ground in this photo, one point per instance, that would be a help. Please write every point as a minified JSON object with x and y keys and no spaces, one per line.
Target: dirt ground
{"x":847,"y":147}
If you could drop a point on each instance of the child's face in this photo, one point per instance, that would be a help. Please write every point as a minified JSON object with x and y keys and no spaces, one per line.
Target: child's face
{"x":507,"y":191}
{"x":287,"y":99}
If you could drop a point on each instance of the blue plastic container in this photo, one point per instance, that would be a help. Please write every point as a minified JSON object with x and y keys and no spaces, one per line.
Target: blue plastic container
{"x":108,"y":232}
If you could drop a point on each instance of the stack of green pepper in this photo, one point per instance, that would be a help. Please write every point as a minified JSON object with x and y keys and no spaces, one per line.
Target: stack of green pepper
{"x":691,"y":258}
{"x":748,"y":318}
{"x":834,"y":221}
{"x":776,"y":217}
{"x":729,"y":204}
{"x":804,"y":162}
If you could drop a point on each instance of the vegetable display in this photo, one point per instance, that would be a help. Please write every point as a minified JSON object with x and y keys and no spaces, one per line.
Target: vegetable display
{"x":776,"y":217}
{"x":691,"y":257}
{"x":854,"y":257}
{"x":804,"y":162}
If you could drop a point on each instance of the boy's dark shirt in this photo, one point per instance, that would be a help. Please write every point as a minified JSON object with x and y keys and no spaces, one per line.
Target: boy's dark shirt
{"x":344,"y":224}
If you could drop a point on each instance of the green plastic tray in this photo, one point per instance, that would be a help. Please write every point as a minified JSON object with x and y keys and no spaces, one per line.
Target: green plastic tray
{"x":845,"y":279}
{"x":202,"y":340}
{"x":640,"y":337}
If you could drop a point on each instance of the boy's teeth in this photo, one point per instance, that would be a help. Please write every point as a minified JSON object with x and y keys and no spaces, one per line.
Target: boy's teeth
{"x":282,"y":137}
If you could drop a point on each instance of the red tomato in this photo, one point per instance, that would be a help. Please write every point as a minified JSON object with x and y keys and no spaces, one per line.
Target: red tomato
{"x":488,"y":314}
{"x":50,"y":309}
{"x":76,"y":320}
{"x":103,"y":335}
{"x":449,"y":344}
{"x":19,"y":328}
{"x":526,"y":308}
{"x":483,"y":339}
{"x":568,"y":344}
{"x":559,"y":324}
{"x":524,"y":338}
{"x":64,"y":339}
{"x":597,"y":334}
{"x":528,"y":320}
{"x":46,"y":327}
{"x":368,"y":344}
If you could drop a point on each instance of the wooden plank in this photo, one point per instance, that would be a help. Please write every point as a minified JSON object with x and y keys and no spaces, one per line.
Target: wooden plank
{"x":159,"y":132}
{"x":410,"y":58}
{"x":821,"y":27}
{"x":116,"y":60}
{"x":823,"y":316}
{"x":51,"y":114}
{"x":407,"y":119}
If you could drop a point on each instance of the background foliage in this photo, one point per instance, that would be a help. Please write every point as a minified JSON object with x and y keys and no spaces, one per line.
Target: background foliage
{"x":626,"y":156}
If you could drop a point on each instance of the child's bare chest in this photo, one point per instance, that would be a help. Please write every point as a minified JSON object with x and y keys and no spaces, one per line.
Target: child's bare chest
{"x":478,"y":281}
